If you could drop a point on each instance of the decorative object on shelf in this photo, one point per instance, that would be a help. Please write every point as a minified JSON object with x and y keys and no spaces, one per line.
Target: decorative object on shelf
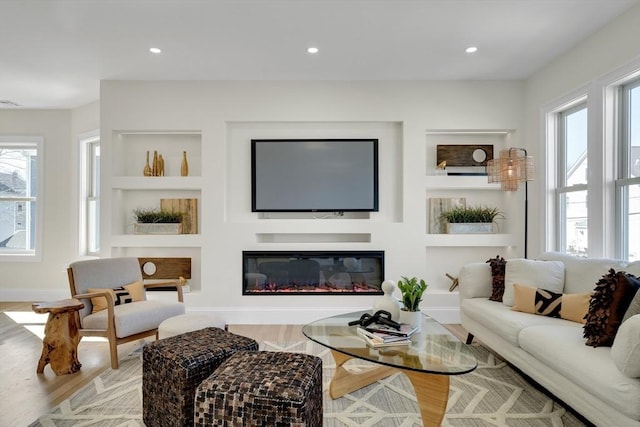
{"x":412,"y":291}
{"x":157,"y":221}
{"x":160,"y":165}
{"x":189,"y":210}
{"x":154,"y":167}
{"x":184,"y":167}
{"x":454,"y":282}
{"x":441,"y":168}
{"x":387,"y":302}
{"x":439,"y":205}
{"x":468,"y":159}
{"x":510,"y":169}
{"x":471,"y":220}
{"x":147,"y":168}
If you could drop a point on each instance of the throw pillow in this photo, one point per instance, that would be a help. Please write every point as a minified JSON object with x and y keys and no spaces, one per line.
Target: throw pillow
{"x":122,"y":295}
{"x":634,"y":307}
{"x":497,"y":265}
{"x":625,"y":350}
{"x":609,"y":302}
{"x":547,"y":275}
{"x":571,"y":307}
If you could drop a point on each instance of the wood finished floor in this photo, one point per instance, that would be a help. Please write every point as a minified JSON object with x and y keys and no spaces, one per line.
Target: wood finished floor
{"x":24,"y":395}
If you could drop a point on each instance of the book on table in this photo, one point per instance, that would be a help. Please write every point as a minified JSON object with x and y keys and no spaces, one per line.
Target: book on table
{"x":377,"y":339}
{"x":405,"y":330}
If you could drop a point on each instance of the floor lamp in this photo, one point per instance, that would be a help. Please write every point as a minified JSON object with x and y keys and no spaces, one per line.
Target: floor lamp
{"x":512,"y":167}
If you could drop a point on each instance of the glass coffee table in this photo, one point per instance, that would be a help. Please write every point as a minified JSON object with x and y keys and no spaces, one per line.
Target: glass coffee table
{"x":433,"y":355}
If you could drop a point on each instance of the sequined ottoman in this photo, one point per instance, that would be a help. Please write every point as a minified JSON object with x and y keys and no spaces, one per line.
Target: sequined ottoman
{"x":262,"y":389}
{"x":172,"y":369}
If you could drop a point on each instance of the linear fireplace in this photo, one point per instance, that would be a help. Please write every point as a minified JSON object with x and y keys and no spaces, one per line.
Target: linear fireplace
{"x":312,"y":272}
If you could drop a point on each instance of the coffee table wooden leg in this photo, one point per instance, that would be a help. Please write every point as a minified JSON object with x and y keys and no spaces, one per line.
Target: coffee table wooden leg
{"x":432,"y":394}
{"x":344,"y":381}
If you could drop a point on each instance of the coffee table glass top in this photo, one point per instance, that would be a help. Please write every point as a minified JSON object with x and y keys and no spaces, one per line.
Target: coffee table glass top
{"x":433,"y":350}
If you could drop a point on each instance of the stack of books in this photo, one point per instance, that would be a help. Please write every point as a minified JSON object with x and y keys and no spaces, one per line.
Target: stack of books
{"x":378,"y":335}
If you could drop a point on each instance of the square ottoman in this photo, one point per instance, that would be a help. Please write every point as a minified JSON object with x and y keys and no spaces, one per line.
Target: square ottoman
{"x":262,"y":389}
{"x":172,"y":369}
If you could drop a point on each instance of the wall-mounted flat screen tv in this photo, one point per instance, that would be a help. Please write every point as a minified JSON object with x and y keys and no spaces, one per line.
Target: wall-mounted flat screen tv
{"x":314,"y":175}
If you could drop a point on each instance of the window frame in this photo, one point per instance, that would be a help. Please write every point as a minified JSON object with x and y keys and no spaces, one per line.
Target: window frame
{"x":560,"y":187}
{"x":35,"y":254}
{"x":623,"y":180}
{"x":89,"y":192}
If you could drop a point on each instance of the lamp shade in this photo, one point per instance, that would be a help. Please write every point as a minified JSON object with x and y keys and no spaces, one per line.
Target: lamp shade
{"x":512,"y":167}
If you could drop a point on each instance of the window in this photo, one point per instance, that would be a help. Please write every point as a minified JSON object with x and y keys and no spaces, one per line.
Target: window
{"x":628,"y":176}
{"x":90,"y":195}
{"x":20,"y":192}
{"x":571,"y":185}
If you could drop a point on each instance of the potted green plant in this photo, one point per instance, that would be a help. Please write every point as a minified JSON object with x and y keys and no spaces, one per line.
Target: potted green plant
{"x":411,"y":290}
{"x":157,"y":221}
{"x":471,"y":219}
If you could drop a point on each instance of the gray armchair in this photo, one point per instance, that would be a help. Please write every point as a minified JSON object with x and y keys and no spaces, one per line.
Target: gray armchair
{"x":128,"y":315}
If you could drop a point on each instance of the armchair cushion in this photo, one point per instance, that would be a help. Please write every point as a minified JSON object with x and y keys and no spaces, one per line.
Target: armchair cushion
{"x":135,"y":317}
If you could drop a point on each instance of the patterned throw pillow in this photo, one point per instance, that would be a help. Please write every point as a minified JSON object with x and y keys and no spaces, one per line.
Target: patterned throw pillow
{"x":611,"y":298}
{"x":498,"y":265}
{"x":122,"y":295}
{"x":571,"y":307}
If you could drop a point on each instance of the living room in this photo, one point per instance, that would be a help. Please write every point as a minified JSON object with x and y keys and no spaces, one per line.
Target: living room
{"x":215,"y":120}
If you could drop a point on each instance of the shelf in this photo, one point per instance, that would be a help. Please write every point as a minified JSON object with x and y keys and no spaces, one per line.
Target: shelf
{"x":156,"y":183}
{"x":455,"y":182}
{"x":469,"y":240}
{"x":159,"y":241}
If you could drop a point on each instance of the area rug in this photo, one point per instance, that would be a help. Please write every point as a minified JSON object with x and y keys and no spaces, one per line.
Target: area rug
{"x":492,"y":395}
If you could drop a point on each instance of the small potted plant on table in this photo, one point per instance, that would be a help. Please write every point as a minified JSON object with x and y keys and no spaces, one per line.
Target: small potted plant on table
{"x":412,"y":291}
{"x":478,"y":219}
{"x":157,"y":221}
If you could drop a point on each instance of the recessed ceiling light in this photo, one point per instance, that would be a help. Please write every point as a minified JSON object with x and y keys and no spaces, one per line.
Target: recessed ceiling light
{"x":155,"y":50}
{"x":312,"y":50}
{"x":471,"y":49}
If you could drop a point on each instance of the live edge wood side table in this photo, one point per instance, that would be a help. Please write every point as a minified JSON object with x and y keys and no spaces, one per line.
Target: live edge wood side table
{"x":61,"y":336}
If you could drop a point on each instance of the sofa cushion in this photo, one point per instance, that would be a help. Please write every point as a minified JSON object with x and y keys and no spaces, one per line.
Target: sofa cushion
{"x":561,"y":347}
{"x":572,"y":307}
{"x":538,"y":274}
{"x":633,"y":309}
{"x":581,"y":274}
{"x":502,"y":320}
{"x":497,"y":265}
{"x":475,"y":280}
{"x":135,"y":317}
{"x":611,"y":298}
{"x":625,"y":350}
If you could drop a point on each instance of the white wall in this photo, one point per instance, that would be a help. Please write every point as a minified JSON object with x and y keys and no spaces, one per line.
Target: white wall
{"x":45,"y":279}
{"x":230,"y":113}
{"x":577,"y":71}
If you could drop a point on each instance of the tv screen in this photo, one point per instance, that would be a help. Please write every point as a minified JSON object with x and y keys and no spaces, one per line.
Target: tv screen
{"x":314,"y":175}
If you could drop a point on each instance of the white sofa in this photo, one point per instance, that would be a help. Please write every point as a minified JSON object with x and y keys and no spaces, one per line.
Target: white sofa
{"x":552,"y":351}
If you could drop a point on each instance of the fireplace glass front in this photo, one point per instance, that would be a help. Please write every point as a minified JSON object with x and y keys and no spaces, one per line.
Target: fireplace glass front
{"x":312,"y":272}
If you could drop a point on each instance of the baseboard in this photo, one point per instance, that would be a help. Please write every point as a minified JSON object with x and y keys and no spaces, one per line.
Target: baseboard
{"x":303,"y":315}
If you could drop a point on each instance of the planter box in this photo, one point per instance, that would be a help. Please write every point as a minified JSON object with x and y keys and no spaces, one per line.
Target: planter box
{"x":157,"y":228}
{"x":469,"y":228}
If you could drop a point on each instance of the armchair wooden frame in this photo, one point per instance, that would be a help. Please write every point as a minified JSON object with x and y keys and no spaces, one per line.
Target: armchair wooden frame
{"x":110,"y":332}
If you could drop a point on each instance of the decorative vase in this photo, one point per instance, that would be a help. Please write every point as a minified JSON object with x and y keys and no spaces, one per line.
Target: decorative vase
{"x":160,"y":165}
{"x":147,"y":168}
{"x":387,"y":302}
{"x":154,"y":168}
{"x":412,"y":318}
{"x":184,"y":167}
{"x":469,"y":228}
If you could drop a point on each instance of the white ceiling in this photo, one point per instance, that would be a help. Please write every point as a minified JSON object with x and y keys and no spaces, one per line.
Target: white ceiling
{"x":54,"y":53}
